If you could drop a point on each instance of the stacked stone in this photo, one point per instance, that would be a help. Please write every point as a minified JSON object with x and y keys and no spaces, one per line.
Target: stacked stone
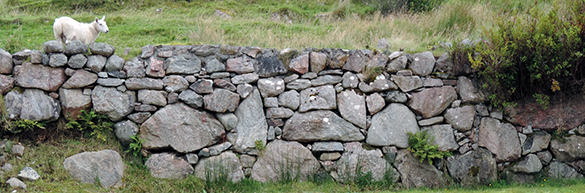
{"x":263,"y":113}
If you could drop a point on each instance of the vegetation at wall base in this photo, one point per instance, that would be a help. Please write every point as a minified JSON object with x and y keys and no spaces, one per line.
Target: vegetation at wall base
{"x":420,"y":143}
{"x":92,"y":124}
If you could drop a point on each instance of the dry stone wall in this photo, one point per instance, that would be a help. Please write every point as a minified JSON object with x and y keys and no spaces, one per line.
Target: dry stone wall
{"x":266,"y":113}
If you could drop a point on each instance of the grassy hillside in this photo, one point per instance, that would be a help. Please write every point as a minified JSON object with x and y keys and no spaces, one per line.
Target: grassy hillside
{"x":355,"y":24}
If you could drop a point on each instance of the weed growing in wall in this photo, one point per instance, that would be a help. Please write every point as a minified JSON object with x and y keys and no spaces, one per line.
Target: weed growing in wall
{"x":92,"y":124}
{"x":420,"y":143}
{"x":135,"y":148}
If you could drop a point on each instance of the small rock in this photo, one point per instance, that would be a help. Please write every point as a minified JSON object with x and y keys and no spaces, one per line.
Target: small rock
{"x":16,"y":183}
{"x":29,"y":174}
{"x":18,"y":150}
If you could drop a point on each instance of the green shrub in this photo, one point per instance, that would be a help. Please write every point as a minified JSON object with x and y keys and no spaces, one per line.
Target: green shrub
{"x":420,"y":144}
{"x":92,"y":124}
{"x":534,"y":54}
{"x":388,"y":6}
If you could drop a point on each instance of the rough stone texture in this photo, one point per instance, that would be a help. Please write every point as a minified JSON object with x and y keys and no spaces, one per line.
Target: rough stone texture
{"x":280,"y":157}
{"x":124,"y":130}
{"x":461,"y":118}
{"x":530,"y":164}
{"x":75,"y":47}
{"x":431,"y":121}
{"x":29,"y":75}
{"x":299,"y":84}
{"x":240,"y":65}
{"x":444,"y":137}
{"x":73,"y":101}
{"x":391,"y":125}
{"x":226,"y":84}
{"x":322,"y":97}
{"x":183,"y":64}
{"x":337,"y":58}
{"x":537,"y":142}
{"x":6,"y":83}
{"x":270,"y":87}
{"x":53,"y":46}
{"x":422,"y":63}
{"x":228,"y":120}
{"x":16,"y":183}
{"x":350,"y":80}
{"x":17,"y":150}
{"x":544,"y":156}
{"x":226,"y":163}
{"x":318,"y":61}
{"x":221,"y":100}
{"x":567,"y":114}
{"x":6,"y":64}
{"x":244,"y":90}
{"x":375,"y":103}
{"x":214,"y":66}
{"x":500,"y":138}
{"x":396,"y":97}
{"x":113,"y":103}
{"x":152,"y":97}
{"x":76,"y":61}
{"x":80,"y":79}
{"x":355,"y":62}
{"x":570,"y":150}
{"x":102,"y":49}
{"x":300,"y":64}
{"x":269,"y":65}
{"x":105,"y":167}
{"x":278,"y":113}
{"x":252,"y":124}
{"x":181,"y":127}
{"x":474,"y":167}
{"x":290,"y":99}
{"x":114,"y":63}
{"x":144,"y":83}
{"x":415,"y":174}
{"x":433,"y":101}
{"x":202,"y":86}
{"x":397,"y":64}
{"x":155,"y":68}
{"x":407,"y":83}
{"x":357,"y":159}
{"x":433,"y":82}
{"x":245,"y":78}
{"x":96,"y":62}
{"x":33,"y":104}
{"x":352,"y":107}
{"x":558,"y":170}
{"x":191,"y":98}
{"x":168,"y":166}
{"x":468,"y":92}
{"x":327,"y":146}
{"x":134,"y":68}
{"x":329,"y":156}
{"x":175,"y":83}
{"x":319,"y":125}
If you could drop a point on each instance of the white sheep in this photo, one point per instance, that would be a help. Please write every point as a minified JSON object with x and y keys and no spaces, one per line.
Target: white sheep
{"x":67,"y":29}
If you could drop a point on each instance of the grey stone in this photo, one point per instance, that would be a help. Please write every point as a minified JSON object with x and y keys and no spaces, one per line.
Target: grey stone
{"x":144,"y":108}
{"x":73,"y":101}
{"x":337,"y":58}
{"x":16,"y":183}
{"x":244,"y":90}
{"x":558,"y":170}
{"x":568,"y":150}
{"x":147,"y":51}
{"x":290,"y":99}
{"x":327,"y":146}
{"x":365,"y":87}
{"x":229,"y":120}
{"x":152,"y":97}
{"x":225,"y":84}
{"x":80,"y":79}
{"x":110,"y":82}
{"x":270,"y":87}
{"x":95,"y":62}
{"x":350,"y":80}
{"x":221,"y":100}
{"x":530,"y":164}
{"x":155,"y":67}
{"x":404,"y":73}
{"x":269,"y":65}
{"x":175,"y":83}
{"x":124,"y":130}
{"x":75,"y":47}
{"x":279,"y":113}
{"x":500,"y":138}
{"x":430,"y":121}
{"x":357,"y":160}
{"x":443,"y":137}
{"x":475,"y":167}
{"x":300,"y":64}
{"x":191,"y":98}
{"x":17,"y":150}
{"x":396,"y":97}
{"x":468,"y":92}
{"x":535,"y":143}
{"x":432,"y":82}
{"x":53,"y":46}
{"x":416,"y":174}
{"x":114,"y":63}
{"x":407,"y":83}
{"x":113,"y":103}
{"x":461,"y":118}
{"x":319,"y":125}
{"x":545,"y":157}
{"x":214,"y":66}
{"x":397,"y":64}
{"x":322,"y":97}
{"x":76,"y":61}
{"x":102,"y":49}
{"x":181,"y":127}
{"x":329,"y":156}
{"x":214,"y":167}
{"x":352,"y":107}
{"x":318,"y":61}
{"x":290,"y":78}
{"x":299,"y":84}
{"x":497,"y":115}
{"x":183,"y":64}
{"x":355,"y":62}
{"x":139,"y":117}
{"x":202,"y":86}
{"x":57,"y":60}
{"x":252,"y":125}
{"x":271,"y":135}
{"x":134,"y":68}
{"x":433,"y":101}
{"x":105,"y":167}
{"x":247,"y":161}
{"x":6,"y":64}
{"x":6,"y":83}
{"x":245,"y":78}
{"x":33,"y":104}
{"x":144,"y":83}
{"x":375,"y":103}
{"x":391,"y":125}
{"x":192,"y":158}
{"x":217,"y":149}
{"x":325,"y":80}
{"x":283,"y":159}
{"x":310,"y":75}
{"x":422,"y":63}
{"x":240,"y":65}
{"x":168,"y":166}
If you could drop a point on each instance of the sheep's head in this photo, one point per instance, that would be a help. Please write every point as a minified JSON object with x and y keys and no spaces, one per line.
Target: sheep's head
{"x":101,"y":25}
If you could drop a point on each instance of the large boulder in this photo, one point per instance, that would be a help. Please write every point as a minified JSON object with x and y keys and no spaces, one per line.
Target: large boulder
{"x":226,"y":164}
{"x":33,"y":104}
{"x":530,"y":164}
{"x":567,"y":114}
{"x":182,"y":128}
{"x":356,"y":160}
{"x":319,"y":126}
{"x":252,"y":125}
{"x":168,"y":166}
{"x":568,"y":149}
{"x":104,"y":167}
{"x":352,"y":107}
{"x":415,"y":174}
{"x":391,"y":125}
{"x":283,"y":160}
{"x":500,"y":138}
{"x":433,"y":101}
{"x":29,"y":75}
{"x":473,"y":167}
{"x":113,"y":103}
